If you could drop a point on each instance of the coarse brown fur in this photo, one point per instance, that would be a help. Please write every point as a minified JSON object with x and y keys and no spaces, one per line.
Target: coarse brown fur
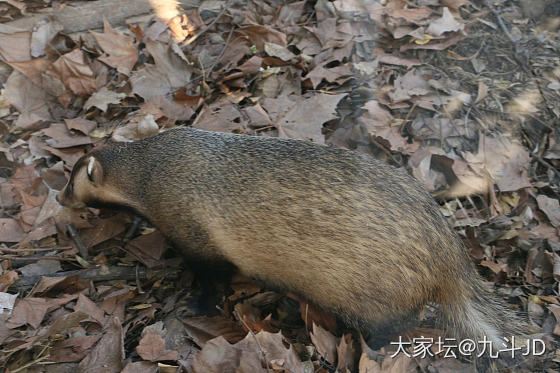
{"x":344,"y":230}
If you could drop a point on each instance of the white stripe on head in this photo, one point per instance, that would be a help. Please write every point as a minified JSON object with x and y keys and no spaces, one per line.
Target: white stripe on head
{"x":90,"y":165}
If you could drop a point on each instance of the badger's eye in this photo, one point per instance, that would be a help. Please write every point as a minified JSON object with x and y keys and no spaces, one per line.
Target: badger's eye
{"x":70,"y":188}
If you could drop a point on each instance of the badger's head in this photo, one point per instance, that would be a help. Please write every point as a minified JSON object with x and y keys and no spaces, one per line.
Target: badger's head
{"x":95,"y":182}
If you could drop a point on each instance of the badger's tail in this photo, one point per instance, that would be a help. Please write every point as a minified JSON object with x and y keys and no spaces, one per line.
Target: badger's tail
{"x":479,"y":316}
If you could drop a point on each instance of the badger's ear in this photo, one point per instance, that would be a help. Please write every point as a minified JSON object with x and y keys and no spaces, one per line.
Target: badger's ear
{"x":94,"y":171}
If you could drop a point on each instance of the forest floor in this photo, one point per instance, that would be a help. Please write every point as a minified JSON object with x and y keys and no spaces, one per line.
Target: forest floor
{"x":463,"y":94}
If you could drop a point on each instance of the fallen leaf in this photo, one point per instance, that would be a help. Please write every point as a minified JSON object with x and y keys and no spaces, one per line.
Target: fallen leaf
{"x":41,"y":267}
{"x":28,"y":311}
{"x":325,"y":343}
{"x":203,"y":329}
{"x":551,"y":207}
{"x":60,"y":137}
{"x":102,"y":98}
{"x":42,"y":34}
{"x":80,"y":124}
{"x":15,"y":44}
{"x":447,"y":23}
{"x":146,"y":127}
{"x":305,"y":119}
{"x":73,"y":71}
{"x":7,"y":301}
{"x":108,"y":354}
{"x":26,"y":97}
{"x":121,"y":52}
{"x":88,"y":307}
{"x":169,"y":72}
{"x":10,"y":230}
{"x":345,"y":352}
{"x":141,"y":367}
{"x":152,"y":348}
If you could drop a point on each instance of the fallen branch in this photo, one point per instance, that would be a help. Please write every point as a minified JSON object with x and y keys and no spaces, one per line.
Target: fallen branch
{"x":107,"y":273}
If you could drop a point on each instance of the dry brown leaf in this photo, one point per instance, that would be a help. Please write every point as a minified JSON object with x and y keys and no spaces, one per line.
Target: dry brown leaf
{"x":482,"y":92}
{"x":10,"y":230}
{"x":304,"y":120}
{"x":15,"y":44}
{"x":60,"y":137}
{"x":28,"y":311}
{"x":26,"y":97}
{"x":145,"y":127}
{"x":438,"y":46}
{"x":88,"y":307}
{"x":219,"y":356}
{"x":7,"y":279}
{"x":121,"y":52}
{"x":506,"y":161}
{"x":102,"y":98}
{"x":203,"y":329}
{"x":103,"y":230}
{"x":413,"y":15}
{"x":73,"y":71}
{"x":325,"y":343}
{"x":147,"y":248}
{"x":259,"y":35}
{"x":73,"y":349}
{"x":169,"y":72}
{"x":455,"y":4}
{"x":141,"y":367}
{"x":345,"y":352}
{"x":80,"y":124}
{"x":396,"y":60}
{"x":551,"y":207}
{"x":33,"y":69}
{"x":41,"y":267}
{"x":221,"y":116}
{"x":108,"y":354}
{"x":408,"y":85}
{"x":152,"y":348}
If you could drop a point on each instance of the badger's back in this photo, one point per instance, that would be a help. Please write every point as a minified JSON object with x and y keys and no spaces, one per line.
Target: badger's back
{"x":343,"y":229}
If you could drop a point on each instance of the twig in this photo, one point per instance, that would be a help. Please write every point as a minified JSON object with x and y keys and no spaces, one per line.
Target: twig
{"x":104,"y":273}
{"x":32,"y":260}
{"x":73,"y":232}
{"x":548,"y":165}
{"x":195,"y":37}
{"x":222,"y":52}
{"x":500,"y":21}
{"x":132,"y":230}
{"x":35,"y":249}
{"x":236,"y":313}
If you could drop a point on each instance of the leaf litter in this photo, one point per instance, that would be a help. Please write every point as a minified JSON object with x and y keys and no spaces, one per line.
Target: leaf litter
{"x":432,"y":86}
